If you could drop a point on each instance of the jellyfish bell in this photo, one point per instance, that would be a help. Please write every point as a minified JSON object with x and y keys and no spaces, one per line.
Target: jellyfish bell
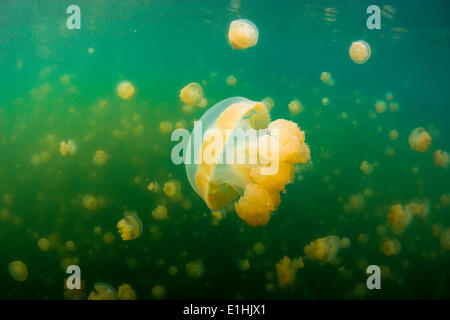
{"x":130,"y":227}
{"x":103,"y":291}
{"x":125,"y":90}
{"x":192,"y":94}
{"x":266,"y":153}
{"x":360,"y":51}
{"x":242,"y":34}
{"x":419,"y":140}
{"x":18,"y":270}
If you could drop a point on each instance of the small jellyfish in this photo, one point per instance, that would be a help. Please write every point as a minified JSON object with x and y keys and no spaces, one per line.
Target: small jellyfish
{"x":126,"y":292}
{"x":192,"y":94}
{"x":360,"y":51}
{"x":195,"y":269}
{"x":393,"y":106}
{"x":325,"y":101}
{"x":89,"y":202}
{"x":393,"y":135}
{"x":445,"y":200}
{"x":108,"y":238}
{"x":173,"y":270}
{"x":399,"y":217}
{"x":295,"y":107}
{"x":419,"y":140}
{"x":268,"y":102}
{"x":153,"y":186}
{"x":389,"y":96}
{"x":419,"y":207}
{"x":100,"y":158}
{"x":165,"y":127}
{"x":389,"y":152}
{"x":244,"y":264}
{"x":286,"y":271}
{"x":18,"y":271}
{"x":171,"y":188}
{"x":441,"y":158}
{"x":391,"y":247}
{"x":325,"y":249}
{"x":242,"y":34}
{"x":203,"y":103}
{"x":445,"y":239}
{"x":91,"y":50}
{"x":259,"y":248}
{"x":125,"y":90}
{"x":326,"y":78}
{"x":231,"y":80}
{"x":67,"y":148}
{"x":44,"y":244}
{"x":187,"y":109}
{"x":159,"y":292}
{"x":160,"y":213}
{"x":130,"y":227}
{"x":366,"y":167}
{"x":103,"y":291}
{"x":380,"y":106}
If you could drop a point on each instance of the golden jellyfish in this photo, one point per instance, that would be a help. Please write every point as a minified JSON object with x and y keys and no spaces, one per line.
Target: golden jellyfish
{"x":153,"y":186}
{"x":103,"y":291}
{"x":399,"y":217}
{"x":252,"y":175}
{"x":380,"y":106}
{"x":326,"y":78}
{"x":100,"y":158}
{"x":295,"y":107}
{"x":67,"y":148}
{"x":195,"y":269}
{"x":441,"y":158}
{"x":192,"y":94}
{"x":268,"y":102}
{"x":187,"y":109}
{"x":393,"y":106}
{"x":391,"y":247}
{"x":44,"y":244}
{"x":445,"y":200}
{"x":108,"y":238}
{"x":125,"y":90}
{"x":445,"y":239}
{"x":160,"y":213}
{"x":259,"y":248}
{"x":89,"y":202}
{"x":420,"y":207}
{"x":172,"y":188}
{"x":419,"y":140}
{"x":165,"y":127}
{"x":242,"y":34}
{"x":217,"y":217}
{"x":389,"y":96}
{"x":244,"y":264}
{"x":91,"y":50}
{"x":130,"y":227}
{"x":203,"y":103}
{"x":325,"y":249}
{"x":231,"y":80}
{"x":393,"y":135}
{"x":360,"y":51}
{"x":366,"y":167}
{"x":126,"y":292}
{"x":158,"y":292}
{"x":389,"y":152}
{"x":325,"y":101}
{"x":286,"y":271}
{"x":18,"y":271}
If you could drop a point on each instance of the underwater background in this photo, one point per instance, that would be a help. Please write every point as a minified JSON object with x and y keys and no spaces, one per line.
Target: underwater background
{"x":58,"y":84}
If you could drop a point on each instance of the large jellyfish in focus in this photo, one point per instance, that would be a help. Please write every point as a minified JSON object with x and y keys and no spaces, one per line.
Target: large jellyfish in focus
{"x":236,"y":153}
{"x":242,"y":34}
{"x":360,"y":51}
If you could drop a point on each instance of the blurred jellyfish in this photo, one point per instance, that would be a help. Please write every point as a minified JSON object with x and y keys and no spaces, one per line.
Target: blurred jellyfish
{"x":91,"y":50}
{"x":399,"y":217}
{"x":192,"y":94}
{"x":445,"y":200}
{"x":326,"y":78}
{"x":195,"y":269}
{"x":160,"y":213}
{"x":445,"y":239}
{"x":231,"y":80}
{"x":244,"y":264}
{"x":390,"y":152}
{"x":286,"y":271}
{"x":253,"y":185}
{"x":187,"y":109}
{"x":419,"y":207}
{"x":100,"y":158}
{"x":217,"y":217}
{"x":380,"y":106}
{"x":89,"y":202}
{"x":325,"y":249}
{"x":18,"y":271}
{"x":391,"y":247}
{"x":108,"y":238}
{"x":44,"y":244}
{"x":356,"y":202}
{"x":259,"y":248}
{"x":125,"y":90}
{"x":130,"y":227}
{"x":153,"y":186}
{"x":366,"y":167}
{"x":441,"y":158}
{"x":158,"y":292}
{"x":268,"y":102}
{"x":125,"y":292}
{"x":165,"y":127}
{"x":68,"y":147}
{"x":325,"y":101}
{"x":242,"y":34}
{"x":389,"y":96}
{"x":419,"y":140}
{"x":393,"y":106}
{"x":103,"y":291}
{"x":70,"y":246}
{"x":203,"y":103}
{"x":171,"y":188}
{"x":360,"y":51}
{"x":295,"y":107}
{"x":393,"y":135}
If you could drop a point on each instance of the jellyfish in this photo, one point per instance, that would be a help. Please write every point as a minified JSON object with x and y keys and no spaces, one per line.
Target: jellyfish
{"x":171,"y":188}
{"x":158,"y":292}
{"x":130,"y":227}
{"x":165,"y":127}
{"x":380,"y":106}
{"x":366,"y":167}
{"x":195,"y":269}
{"x":445,"y":239}
{"x":18,"y":270}
{"x":67,"y":148}
{"x":393,"y":106}
{"x":242,"y":34}
{"x":125,"y":90}
{"x":360,"y":51}
{"x":231,"y":80}
{"x":89,"y":202}
{"x":326,"y":78}
{"x":160,"y":213}
{"x":91,"y":50}
{"x":391,"y":247}
{"x":108,"y":238}
{"x":441,"y":158}
{"x":153,"y":186}
{"x":286,"y":272}
{"x":295,"y":107}
{"x":264,"y":165}
{"x":100,"y":158}
{"x":389,"y":96}
{"x":126,"y":292}
{"x":259,"y":248}
{"x":192,"y":94}
{"x":203,"y":103}
{"x":325,"y":249}
{"x":70,"y":246}
{"x":103,"y":291}
{"x":393,"y":135}
{"x":44,"y":244}
{"x":420,"y":207}
{"x":325,"y":101}
{"x":244,"y":264}
{"x":419,"y":140}
{"x":399,"y":217}
{"x":268,"y":102}
{"x":445,"y":200}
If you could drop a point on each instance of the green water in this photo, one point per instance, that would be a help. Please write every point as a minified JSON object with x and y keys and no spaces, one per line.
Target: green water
{"x":52,"y":89}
